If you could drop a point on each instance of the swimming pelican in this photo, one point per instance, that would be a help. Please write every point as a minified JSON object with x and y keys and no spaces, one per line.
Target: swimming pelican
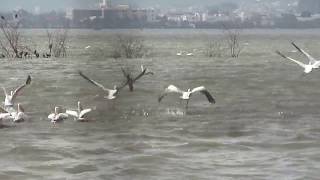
{"x":87,"y":47}
{"x":10,"y":98}
{"x":112,"y":93}
{"x":57,"y":116}
{"x":312,"y":60}
{"x":80,"y":113}
{"x":19,"y":116}
{"x":130,"y":81}
{"x":5,"y":115}
{"x":189,"y":54}
{"x":307,"y":67}
{"x":179,"y":53}
{"x":185,"y":95}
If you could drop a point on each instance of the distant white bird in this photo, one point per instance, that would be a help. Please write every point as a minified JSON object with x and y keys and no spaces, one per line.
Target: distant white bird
{"x":185,"y":95}
{"x":57,"y":116}
{"x":10,"y":98}
{"x":87,"y":47}
{"x":19,"y":115}
{"x":79,"y":115}
{"x":112,"y":93}
{"x":179,"y":53}
{"x":312,"y":60}
{"x":307,"y":67}
{"x":189,"y":54}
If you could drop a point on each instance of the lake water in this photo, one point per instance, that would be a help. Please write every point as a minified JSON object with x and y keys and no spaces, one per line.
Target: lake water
{"x":265,"y":124}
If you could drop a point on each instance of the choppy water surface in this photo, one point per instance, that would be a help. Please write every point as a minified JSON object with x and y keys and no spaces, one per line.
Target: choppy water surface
{"x":265,"y":124}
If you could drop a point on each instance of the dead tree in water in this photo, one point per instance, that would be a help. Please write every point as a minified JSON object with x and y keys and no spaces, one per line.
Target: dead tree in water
{"x":57,"y":43}
{"x":233,"y":41}
{"x":10,"y":44}
{"x":130,"y":79}
{"x":129,"y":46}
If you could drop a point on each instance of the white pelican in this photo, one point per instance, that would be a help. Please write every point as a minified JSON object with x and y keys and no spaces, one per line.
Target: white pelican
{"x":10,"y":98}
{"x":87,"y":47}
{"x":179,"y":53}
{"x":312,"y":60}
{"x":79,"y":115}
{"x":57,"y":116}
{"x":130,"y":81}
{"x":189,"y":54}
{"x":5,"y":115}
{"x":185,"y":95}
{"x":19,"y":116}
{"x":307,"y":67}
{"x":112,"y":93}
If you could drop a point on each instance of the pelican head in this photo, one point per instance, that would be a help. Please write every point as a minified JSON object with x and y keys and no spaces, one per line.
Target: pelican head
{"x":189,"y":90}
{"x":115,"y":87}
{"x":11,"y":92}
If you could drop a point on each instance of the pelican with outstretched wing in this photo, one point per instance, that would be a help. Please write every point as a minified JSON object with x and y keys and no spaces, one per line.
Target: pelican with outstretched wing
{"x":80,"y":114}
{"x":186,"y":95}
{"x":10,"y":98}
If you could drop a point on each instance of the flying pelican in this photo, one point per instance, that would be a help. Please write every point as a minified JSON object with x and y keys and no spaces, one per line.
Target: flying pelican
{"x":80,"y":113}
{"x":112,"y":93}
{"x":307,"y":67}
{"x":312,"y":60}
{"x":87,"y":47}
{"x":130,"y":81}
{"x":10,"y":98}
{"x":185,"y":95}
{"x":57,"y":116}
{"x":19,"y":116}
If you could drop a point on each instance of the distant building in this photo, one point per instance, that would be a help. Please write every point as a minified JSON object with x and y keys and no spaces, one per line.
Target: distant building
{"x":312,"y":6}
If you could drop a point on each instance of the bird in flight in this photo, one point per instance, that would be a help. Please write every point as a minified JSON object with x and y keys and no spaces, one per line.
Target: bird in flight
{"x":307,"y":67}
{"x":112,"y":93}
{"x":186,"y":95}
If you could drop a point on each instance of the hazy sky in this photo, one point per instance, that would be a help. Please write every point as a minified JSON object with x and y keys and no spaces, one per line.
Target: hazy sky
{"x":48,"y":5}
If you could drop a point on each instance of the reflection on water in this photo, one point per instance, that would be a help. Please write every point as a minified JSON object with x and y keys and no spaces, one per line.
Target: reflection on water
{"x":265,"y":124}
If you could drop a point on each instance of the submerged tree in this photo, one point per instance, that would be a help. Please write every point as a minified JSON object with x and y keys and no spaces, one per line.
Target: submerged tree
{"x":233,"y":41}
{"x":10,"y":43}
{"x":57,"y":43}
{"x":129,"y":46}
{"x":214,"y":48}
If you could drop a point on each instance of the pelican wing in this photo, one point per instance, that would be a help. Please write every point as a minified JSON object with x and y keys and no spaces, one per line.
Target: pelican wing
{"x":51,"y":116}
{"x":93,"y":82}
{"x":311,"y":59}
{"x":204,"y":91}
{"x":289,"y":58}
{"x":5,"y":91}
{"x":84,"y":112}
{"x":63,"y":115}
{"x":72,"y":113}
{"x":18,"y":90}
{"x":169,"y":89}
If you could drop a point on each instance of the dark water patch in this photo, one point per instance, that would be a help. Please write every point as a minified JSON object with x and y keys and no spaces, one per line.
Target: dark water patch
{"x":78,"y":169}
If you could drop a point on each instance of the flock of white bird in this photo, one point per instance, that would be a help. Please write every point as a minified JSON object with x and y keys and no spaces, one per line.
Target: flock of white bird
{"x":16,"y":115}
